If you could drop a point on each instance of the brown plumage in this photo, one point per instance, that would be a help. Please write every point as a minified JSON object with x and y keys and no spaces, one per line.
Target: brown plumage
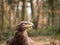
{"x":21,"y":36}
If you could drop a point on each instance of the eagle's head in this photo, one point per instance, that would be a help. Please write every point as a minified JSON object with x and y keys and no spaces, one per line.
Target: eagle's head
{"x":23,"y":25}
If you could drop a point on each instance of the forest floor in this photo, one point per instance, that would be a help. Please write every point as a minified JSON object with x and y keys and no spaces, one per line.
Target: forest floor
{"x":40,"y":40}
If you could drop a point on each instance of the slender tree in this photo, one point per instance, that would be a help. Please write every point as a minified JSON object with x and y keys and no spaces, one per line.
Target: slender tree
{"x":51,"y":4}
{"x":1,"y":16}
{"x":33,"y":14}
{"x":23,"y":16}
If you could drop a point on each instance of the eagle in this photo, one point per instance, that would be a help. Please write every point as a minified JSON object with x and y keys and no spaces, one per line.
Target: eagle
{"x":21,"y":37}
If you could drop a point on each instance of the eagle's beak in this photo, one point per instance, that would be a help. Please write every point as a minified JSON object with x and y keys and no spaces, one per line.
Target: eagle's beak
{"x":33,"y":26}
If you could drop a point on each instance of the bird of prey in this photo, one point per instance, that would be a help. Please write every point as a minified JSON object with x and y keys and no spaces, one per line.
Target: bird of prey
{"x":21,"y":36}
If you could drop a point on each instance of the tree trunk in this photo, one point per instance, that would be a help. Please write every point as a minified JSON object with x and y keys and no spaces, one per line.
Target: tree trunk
{"x":34,"y":13}
{"x":1,"y":17}
{"x":51,"y":4}
{"x":23,"y":16}
{"x":38,"y":14}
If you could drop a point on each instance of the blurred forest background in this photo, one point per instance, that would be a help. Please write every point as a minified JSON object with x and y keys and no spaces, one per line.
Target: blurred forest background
{"x":45,"y":14}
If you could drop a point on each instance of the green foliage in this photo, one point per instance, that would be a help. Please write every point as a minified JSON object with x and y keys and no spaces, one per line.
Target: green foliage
{"x":57,"y":30}
{"x":9,"y":33}
{"x":57,"y":36}
{"x":45,"y":32}
{"x":51,"y":30}
{"x":6,"y":35}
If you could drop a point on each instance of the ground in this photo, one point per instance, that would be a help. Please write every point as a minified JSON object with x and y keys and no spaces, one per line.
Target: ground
{"x":40,"y":40}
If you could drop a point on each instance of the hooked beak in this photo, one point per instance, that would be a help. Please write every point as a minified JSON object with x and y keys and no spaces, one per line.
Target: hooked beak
{"x":33,"y":26}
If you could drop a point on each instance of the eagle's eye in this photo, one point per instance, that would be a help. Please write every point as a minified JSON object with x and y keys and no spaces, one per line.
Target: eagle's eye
{"x":26,"y":23}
